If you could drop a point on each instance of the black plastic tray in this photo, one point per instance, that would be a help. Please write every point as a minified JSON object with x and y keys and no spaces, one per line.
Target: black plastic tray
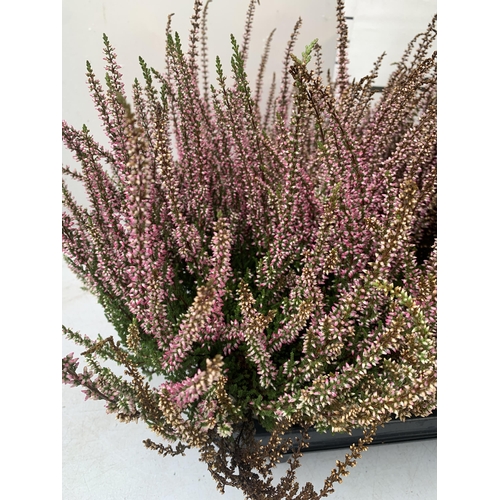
{"x":394,"y":431}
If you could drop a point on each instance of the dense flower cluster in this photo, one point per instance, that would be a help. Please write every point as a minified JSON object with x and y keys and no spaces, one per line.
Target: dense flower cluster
{"x":273,"y":263}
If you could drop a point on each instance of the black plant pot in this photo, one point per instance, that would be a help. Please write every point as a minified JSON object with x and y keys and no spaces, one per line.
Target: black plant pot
{"x":395,"y":431}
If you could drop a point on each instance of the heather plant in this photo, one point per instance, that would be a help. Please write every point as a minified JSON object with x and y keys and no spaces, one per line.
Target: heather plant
{"x":270,"y":263}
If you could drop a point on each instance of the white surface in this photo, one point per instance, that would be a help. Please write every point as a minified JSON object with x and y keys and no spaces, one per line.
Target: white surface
{"x":104,"y":459}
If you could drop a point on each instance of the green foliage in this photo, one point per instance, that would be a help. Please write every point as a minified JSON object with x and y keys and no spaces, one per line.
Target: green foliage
{"x":306,"y":55}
